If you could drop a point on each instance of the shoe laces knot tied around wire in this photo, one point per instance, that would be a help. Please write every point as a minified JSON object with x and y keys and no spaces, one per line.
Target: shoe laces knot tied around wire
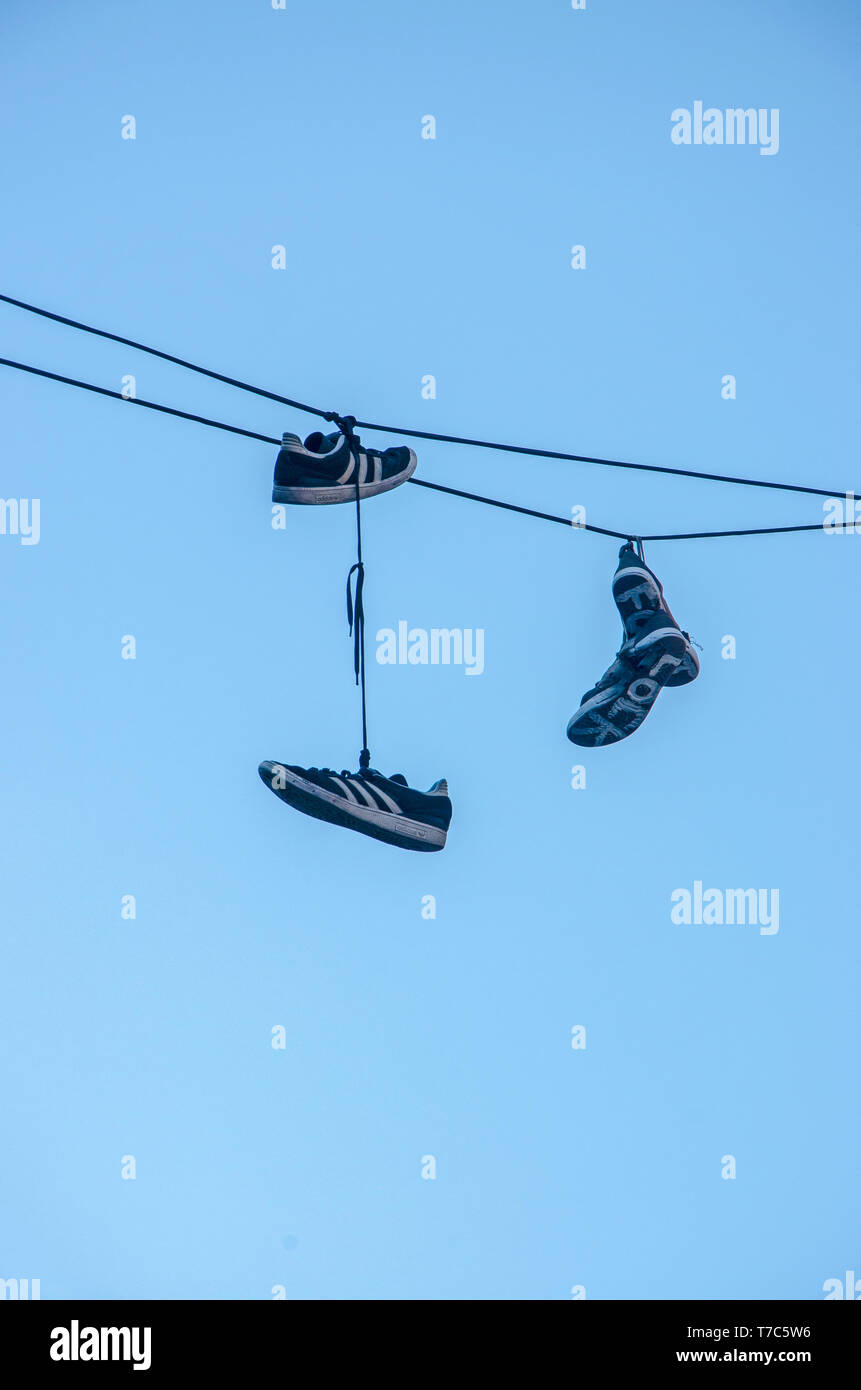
{"x":346,"y":424}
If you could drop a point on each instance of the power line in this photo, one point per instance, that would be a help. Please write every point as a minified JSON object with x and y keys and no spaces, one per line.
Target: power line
{"x":166,"y":356}
{"x":426,"y":434}
{"x":525,"y":511}
{"x":602,"y":531}
{"x":135,"y":400}
{"x":605,"y":463}
{"x":420,"y":483}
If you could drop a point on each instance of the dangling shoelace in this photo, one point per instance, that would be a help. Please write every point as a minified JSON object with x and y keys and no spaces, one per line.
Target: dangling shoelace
{"x":356,"y":614}
{"x":355,"y":606}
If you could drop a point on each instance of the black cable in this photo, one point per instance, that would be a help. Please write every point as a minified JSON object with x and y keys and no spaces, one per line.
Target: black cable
{"x":135,"y":400}
{"x":753,"y":531}
{"x":606,"y":463}
{"x":525,"y":511}
{"x":166,"y":356}
{"x":601,"y":530}
{"x":427,"y":434}
{"x":419,"y":482}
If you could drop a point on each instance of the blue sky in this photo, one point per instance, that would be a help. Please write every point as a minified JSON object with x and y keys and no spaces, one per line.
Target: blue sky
{"x":408,"y":1037}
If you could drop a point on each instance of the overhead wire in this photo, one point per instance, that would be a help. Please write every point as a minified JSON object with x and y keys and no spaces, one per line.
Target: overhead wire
{"x":417,"y":434}
{"x":418,"y":482}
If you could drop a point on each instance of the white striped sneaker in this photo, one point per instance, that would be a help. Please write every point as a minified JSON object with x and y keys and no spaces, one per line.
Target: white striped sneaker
{"x":385,"y":808}
{"x":324,"y":469}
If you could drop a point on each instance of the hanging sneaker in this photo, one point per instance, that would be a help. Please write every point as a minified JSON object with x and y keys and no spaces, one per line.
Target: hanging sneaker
{"x":323,"y":469}
{"x":385,"y":808}
{"x":637,"y":591}
{"x":639,"y":597}
{"x":616,"y":707}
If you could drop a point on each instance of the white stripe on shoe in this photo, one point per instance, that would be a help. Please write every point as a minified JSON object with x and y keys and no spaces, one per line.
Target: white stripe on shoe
{"x":648,"y":585}
{"x":660,"y":634}
{"x":386,"y":800}
{"x":377,"y":798}
{"x":348,"y":791}
{"x":641,"y":573}
{"x":365,"y":795}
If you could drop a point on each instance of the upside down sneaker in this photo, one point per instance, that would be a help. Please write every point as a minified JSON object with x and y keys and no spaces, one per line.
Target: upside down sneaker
{"x":639,"y":595}
{"x":617,"y":705}
{"x":386,"y":808}
{"x":655,"y":653}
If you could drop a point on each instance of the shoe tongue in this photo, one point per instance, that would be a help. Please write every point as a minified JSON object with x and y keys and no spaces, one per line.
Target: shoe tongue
{"x":399,"y":777}
{"x":322,"y":443}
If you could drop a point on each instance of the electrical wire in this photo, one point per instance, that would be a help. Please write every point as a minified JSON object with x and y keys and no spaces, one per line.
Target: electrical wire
{"x":419,"y":482}
{"x":166,"y":356}
{"x":135,"y":400}
{"x":425,"y":434}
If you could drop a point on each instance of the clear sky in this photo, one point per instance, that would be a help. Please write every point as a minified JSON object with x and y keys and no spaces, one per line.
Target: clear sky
{"x":408,"y":1037}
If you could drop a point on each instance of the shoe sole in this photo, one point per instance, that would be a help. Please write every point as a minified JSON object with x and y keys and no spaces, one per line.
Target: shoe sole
{"x":665,"y":648}
{"x":644,"y":582}
{"x":669,"y":638}
{"x":331,"y":493}
{"x":323,"y":805}
{"x":604,"y":721}
{"x":684,"y":676}
{"x":608,"y":718}
{"x":636,"y":580}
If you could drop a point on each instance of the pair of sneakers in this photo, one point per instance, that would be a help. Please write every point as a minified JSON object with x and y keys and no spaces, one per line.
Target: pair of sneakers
{"x":325,"y":469}
{"x":655,"y":653}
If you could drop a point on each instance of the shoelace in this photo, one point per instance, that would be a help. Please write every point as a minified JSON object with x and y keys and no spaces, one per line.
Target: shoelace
{"x":356,"y":614}
{"x":366,"y":449}
{"x":355,"y":607}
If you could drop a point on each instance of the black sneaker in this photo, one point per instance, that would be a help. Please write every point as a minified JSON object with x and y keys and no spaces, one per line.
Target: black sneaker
{"x":637,"y":590}
{"x":616,"y":707}
{"x":323,"y":469}
{"x":639,"y":596}
{"x":384,"y":807}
